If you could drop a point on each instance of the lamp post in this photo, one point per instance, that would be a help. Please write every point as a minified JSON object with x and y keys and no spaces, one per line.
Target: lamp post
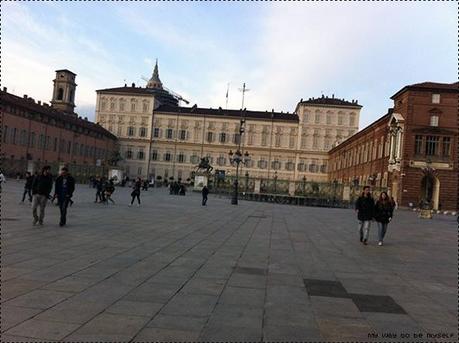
{"x":275,"y":182}
{"x":236,"y":159}
{"x":246,"y":181}
{"x":304,"y":185}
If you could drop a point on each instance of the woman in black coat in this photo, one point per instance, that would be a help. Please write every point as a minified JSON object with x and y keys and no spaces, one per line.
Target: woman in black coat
{"x":136,"y":191}
{"x":384,"y":210}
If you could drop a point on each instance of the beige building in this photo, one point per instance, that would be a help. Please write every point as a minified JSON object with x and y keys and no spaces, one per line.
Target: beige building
{"x":159,"y":138}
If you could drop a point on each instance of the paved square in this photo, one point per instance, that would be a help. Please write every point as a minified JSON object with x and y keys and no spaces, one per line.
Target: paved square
{"x":172,"y":270}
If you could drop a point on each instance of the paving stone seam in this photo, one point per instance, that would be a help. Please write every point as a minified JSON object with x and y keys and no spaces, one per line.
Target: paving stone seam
{"x":229,"y":277}
{"x":224,"y":241}
{"x":159,"y":249}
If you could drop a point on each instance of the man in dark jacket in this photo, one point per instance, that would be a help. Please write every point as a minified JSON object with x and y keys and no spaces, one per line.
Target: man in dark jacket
{"x":41,"y":188}
{"x":364,"y":207}
{"x":65,"y":185}
{"x":205,"y":192}
{"x":28,"y":187}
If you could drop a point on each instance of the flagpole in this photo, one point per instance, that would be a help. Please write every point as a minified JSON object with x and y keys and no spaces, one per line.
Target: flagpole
{"x":227,"y":91}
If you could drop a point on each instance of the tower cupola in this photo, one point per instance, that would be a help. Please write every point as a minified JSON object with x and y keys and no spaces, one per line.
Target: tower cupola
{"x":64,"y":91}
{"x":155,"y":82}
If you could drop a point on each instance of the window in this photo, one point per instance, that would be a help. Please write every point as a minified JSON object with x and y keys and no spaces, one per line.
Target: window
{"x":329,"y":119}
{"x":221,"y":160}
{"x":169,"y":133}
{"x":431,"y":145}
{"x":121,"y":106}
{"x":352,"y":120}
{"x":434,"y":120}
{"x":182,"y":135}
{"x":23,"y":137}
{"x":32,"y":140}
{"x":69,"y":147}
{"x":418,"y":145}
{"x":156,"y":132}
{"x":140,"y":154}
{"x":340,"y":119}
{"x":194,"y":159}
{"x":143,"y":132}
{"x":237,"y":138}
{"x":301,"y":166}
{"x":76,"y":148}
{"x":210,"y":137}
{"x":435,"y":98}
{"x":222,"y":137}
{"x":112,"y":106}
{"x":167,"y":156}
{"x":55,"y":144}
{"x":262,"y":164}
{"x":13,"y":136}
{"x":132,"y":106}
{"x":139,"y":171}
{"x":446,"y":150}
{"x":275,"y":165}
{"x":323,"y":168}
{"x":103,"y":105}
{"x":306,"y":117}
{"x":317,"y":118}
{"x":128,"y":153}
{"x":278,"y":140}
{"x":154,"y":155}
{"x":291,"y":141}
{"x":181,"y":158}
{"x":130,"y":131}
{"x":315,"y":142}
{"x":119,"y":131}
{"x":290,"y":165}
{"x":60,"y":94}
{"x":5,"y":134}
{"x":145,"y":107}
{"x":264,"y":138}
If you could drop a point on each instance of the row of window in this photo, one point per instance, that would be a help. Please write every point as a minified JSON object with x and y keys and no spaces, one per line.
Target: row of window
{"x":123,"y":106}
{"x":318,"y":118}
{"x":12,"y":135}
{"x":363,"y":153}
{"x":432,"y":145}
{"x":224,"y":161}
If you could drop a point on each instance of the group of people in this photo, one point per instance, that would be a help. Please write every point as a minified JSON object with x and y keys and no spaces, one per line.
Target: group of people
{"x":104,"y":190}
{"x":177,"y":188}
{"x":38,"y":187}
{"x":368,"y":210}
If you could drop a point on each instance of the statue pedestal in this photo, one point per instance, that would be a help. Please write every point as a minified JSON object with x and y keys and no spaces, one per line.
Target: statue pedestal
{"x":200,"y":180}
{"x":257,"y":186}
{"x":346,"y":193}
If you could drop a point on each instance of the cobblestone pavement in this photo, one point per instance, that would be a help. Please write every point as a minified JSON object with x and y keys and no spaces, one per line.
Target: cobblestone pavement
{"x":172,"y":270}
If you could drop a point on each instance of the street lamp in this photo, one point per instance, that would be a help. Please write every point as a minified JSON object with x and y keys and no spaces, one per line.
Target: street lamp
{"x":236,"y":159}
{"x":275,"y":182}
{"x":304,"y":185}
{"x":246,"y":181}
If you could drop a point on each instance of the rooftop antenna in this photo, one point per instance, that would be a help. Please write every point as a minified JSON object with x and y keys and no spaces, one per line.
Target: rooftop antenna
{"x":243,"y":90}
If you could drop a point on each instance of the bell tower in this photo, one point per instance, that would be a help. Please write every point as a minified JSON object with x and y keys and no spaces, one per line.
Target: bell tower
{"x":64,"y":91}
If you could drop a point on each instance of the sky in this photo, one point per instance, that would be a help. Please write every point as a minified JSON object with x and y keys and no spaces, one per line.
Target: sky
{"x":283,"y":51}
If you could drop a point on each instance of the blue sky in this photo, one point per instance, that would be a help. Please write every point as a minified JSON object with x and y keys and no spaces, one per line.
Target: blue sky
{"x":283,"y":51}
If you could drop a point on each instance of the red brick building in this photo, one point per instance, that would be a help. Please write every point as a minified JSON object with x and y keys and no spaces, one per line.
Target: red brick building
{"x":34,"y":133}
{"x":411,"y":151}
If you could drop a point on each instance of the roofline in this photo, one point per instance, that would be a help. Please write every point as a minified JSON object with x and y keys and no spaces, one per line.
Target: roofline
{"x":71,"y":72}
{"x":328,"y":105}
{"x":425,"y":89}
{"x":361,"y":132}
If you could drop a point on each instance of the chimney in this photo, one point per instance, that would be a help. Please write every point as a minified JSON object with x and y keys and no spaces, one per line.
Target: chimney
{"x":25,"y":96}
{"x":86,"y":118}
{"x":39,"y":102}
{"x":333,"y":96}
{"x":4,"y":89}
{"x":125,"y":85}
{"x":133,"y":85}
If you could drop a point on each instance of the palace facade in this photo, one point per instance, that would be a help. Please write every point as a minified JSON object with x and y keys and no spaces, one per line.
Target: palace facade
{"x":158,"y":137}
{"x":411,"y":150}
{"x":35,"y":133}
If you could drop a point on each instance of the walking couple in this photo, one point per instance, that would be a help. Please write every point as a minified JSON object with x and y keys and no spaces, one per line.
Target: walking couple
{"x":367,"y":210}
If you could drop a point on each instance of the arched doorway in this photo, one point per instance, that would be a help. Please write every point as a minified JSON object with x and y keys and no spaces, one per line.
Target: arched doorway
{"x":430,"y":190}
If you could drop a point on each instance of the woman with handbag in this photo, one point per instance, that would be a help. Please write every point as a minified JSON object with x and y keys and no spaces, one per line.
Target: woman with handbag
{"x":384,"y":210}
